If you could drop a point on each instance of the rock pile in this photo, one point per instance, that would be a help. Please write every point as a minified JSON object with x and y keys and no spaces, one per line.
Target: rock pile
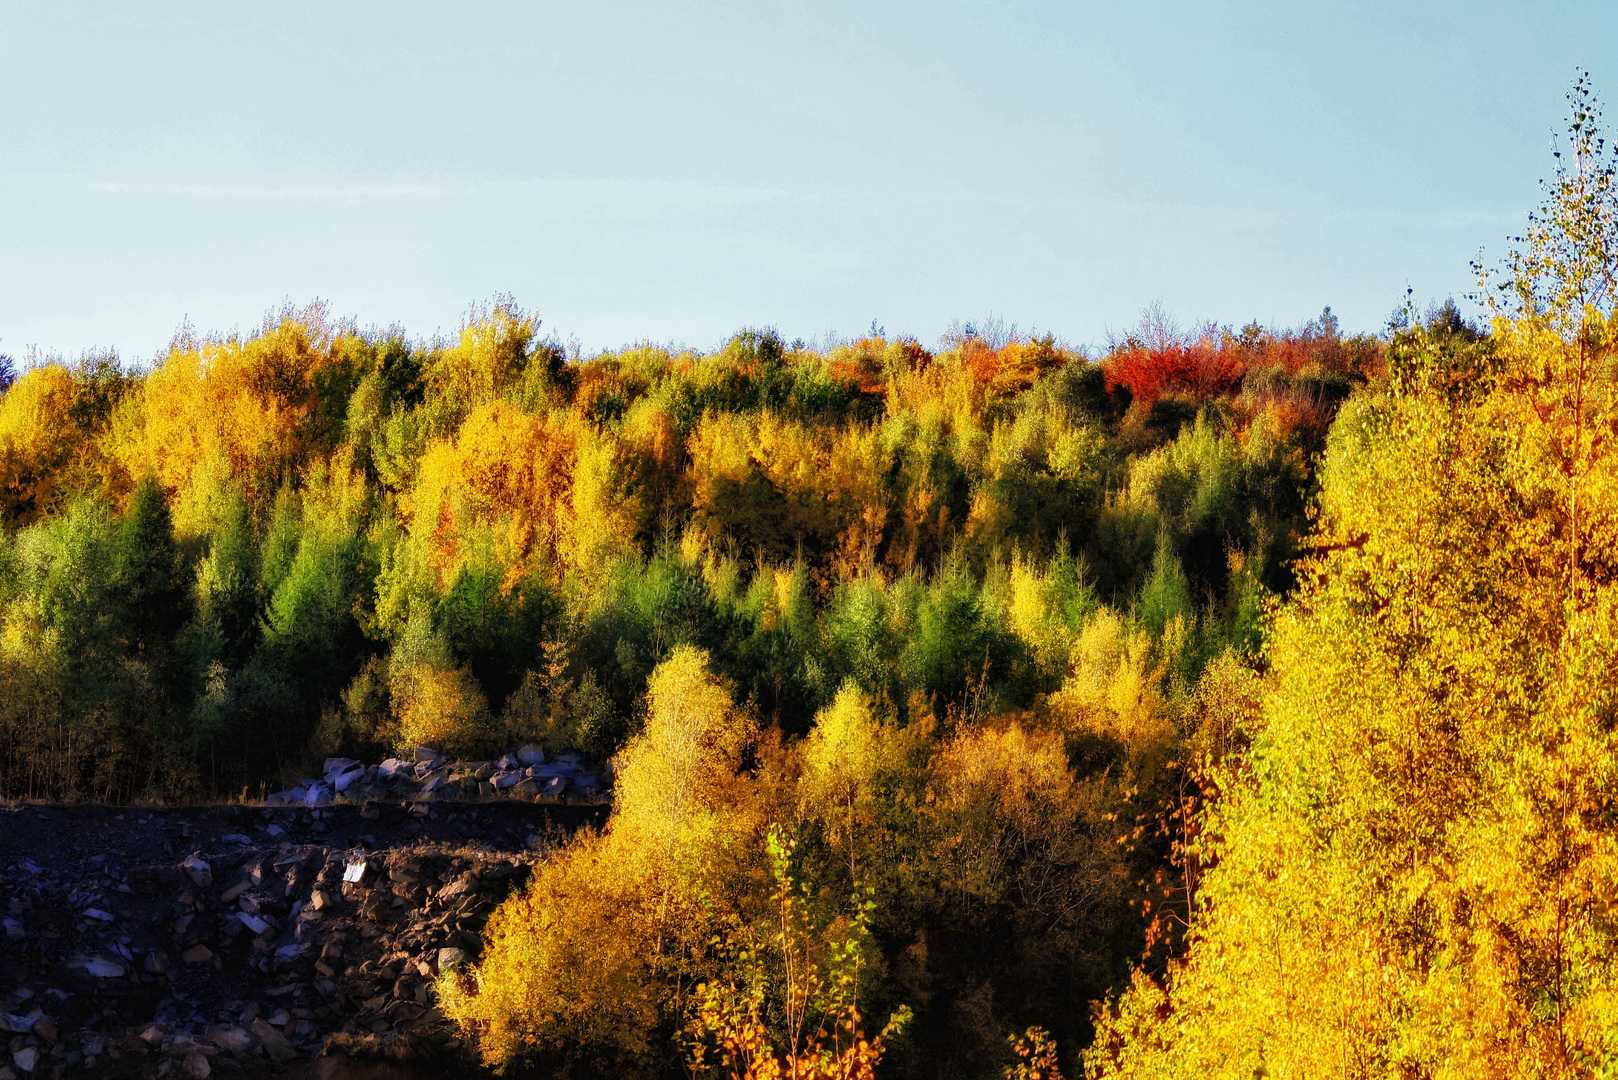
{"x":180,"y":942}
{"x":525,"y":774}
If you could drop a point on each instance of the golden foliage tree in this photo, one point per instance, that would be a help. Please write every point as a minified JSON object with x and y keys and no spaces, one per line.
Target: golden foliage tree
{"x":37,"y":439}
{"x":262,"y":404}
{"x":504,"y":477}
{"x":1414,"y":873}
{"x":591,"y":958}
{"x":806,"y":968}
{"x":487,"y":359}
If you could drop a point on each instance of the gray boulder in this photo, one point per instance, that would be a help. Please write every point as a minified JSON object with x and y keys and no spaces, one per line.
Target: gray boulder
{"x":341,"y":773}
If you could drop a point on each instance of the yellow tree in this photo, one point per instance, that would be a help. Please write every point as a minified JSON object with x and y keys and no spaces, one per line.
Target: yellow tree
{"x":489,"y":357}
{"x":593,"y":958}
{"x":842,"y":758}
{"x":37,"y":438}
{"x":1554,"y":309}
{"x":808,"y":969}
{"x":1413,"y":872}
{"x":255,"y":408}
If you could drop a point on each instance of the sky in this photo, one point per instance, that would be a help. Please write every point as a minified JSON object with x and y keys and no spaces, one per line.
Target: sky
{"x":674,"y":171}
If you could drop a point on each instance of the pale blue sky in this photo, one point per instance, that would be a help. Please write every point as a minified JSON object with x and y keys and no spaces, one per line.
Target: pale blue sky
{"x":673,"y":171}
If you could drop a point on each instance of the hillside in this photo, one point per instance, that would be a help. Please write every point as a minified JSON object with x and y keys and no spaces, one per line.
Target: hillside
{"x":1217,"y":702}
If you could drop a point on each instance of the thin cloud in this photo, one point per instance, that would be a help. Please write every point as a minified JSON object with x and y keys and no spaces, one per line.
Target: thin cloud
{"x":361,"y":192}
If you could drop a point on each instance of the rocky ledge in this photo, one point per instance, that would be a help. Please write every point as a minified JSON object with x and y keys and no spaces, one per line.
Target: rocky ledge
{"x":240,"y":941}
{"x":525,"y":774}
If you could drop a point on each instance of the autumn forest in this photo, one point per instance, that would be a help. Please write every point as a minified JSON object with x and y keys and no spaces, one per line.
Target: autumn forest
{"x":1217,"y":701}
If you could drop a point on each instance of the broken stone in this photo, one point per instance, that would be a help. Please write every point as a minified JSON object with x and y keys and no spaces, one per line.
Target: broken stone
{"x":253,"y":923}
{"x":104,"y":969}
{"x":25,"y":1059}
{"x":424,"y":753}
{"x":14,"y":929}
{"x":359,"y":872}
{"x":46,"y":1030}
{"x":276,"y":1048}
{"x":320,"y":900}
{"x":342,"y":772}
{"x":292,"y":796}
{"x":555,"y":786}
{"x":198,"y":870}
{"x":196,"y":1065}
{"x":449,"y":959}
{"x":317,"y":795}
{"x":391,"y":768}
{"x":17,"y":1025}
{"x":232,"y":1039}
{"x":503,"y":780}
{"x":229,"y":895}
{"x":98,"y":915}
{"x":197,"y":954}
{"x":237,"y":838}
{"x":532,"y":754}
{"x":466,"y":883}
{"x":527,"y":788}
{"x":508,"y":764}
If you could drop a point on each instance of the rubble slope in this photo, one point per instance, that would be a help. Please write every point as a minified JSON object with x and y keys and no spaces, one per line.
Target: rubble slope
{"x":243,"y":940}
